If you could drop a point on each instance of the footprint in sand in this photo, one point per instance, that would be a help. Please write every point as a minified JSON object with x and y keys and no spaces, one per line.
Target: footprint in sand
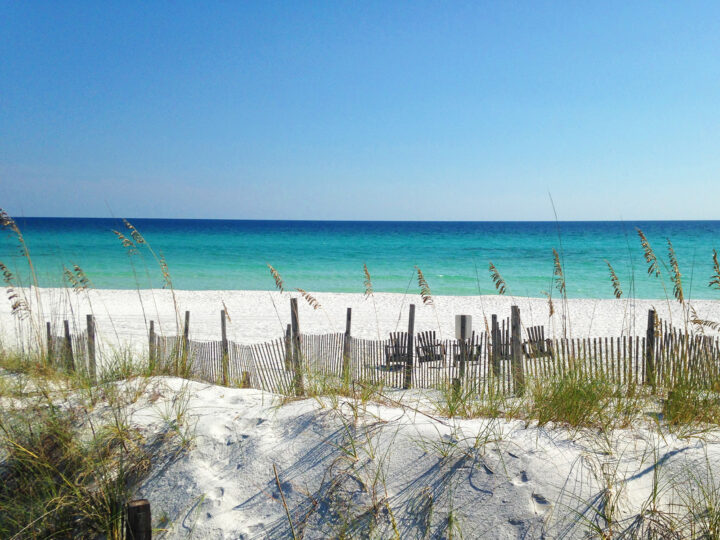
{"x":540,"y":503}
{"x":217,"y":495}
{"x":524,"y":479}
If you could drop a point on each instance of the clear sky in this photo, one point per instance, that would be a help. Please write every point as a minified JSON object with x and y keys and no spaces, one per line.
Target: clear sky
{"x":361,"y":110}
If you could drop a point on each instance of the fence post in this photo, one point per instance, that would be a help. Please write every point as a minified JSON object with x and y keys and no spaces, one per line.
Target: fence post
{"x":151,"y":347}
{"x":462,"y":329}
{"x":346,"y":347}
{"x":139,"y":520}
{"x":297,"y":363}
{"x":496,"y":352}
{"x":69,"y":360}
{"x":516,"y":351}
{"x":650,"y":349}
{"x":185,"y":344}
{"x":407,"y":382}
{"x":48,"y":330}
{"x":225,"y":348}
{"x":288,"y":348}
{"x":91,"y":347}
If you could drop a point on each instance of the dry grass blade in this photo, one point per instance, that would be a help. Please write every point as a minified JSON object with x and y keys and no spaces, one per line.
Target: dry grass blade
{"x":650,"y":258}
{"x":310,"y":299}
{"x":368,"y":282}
{"x":284,"y":502}
{"x":558,"y":272}
{"x":703,"y":323}
{"x":676,"y":276}
{"x":425,"y":292}
{"x":497,"y":279}
{"x":617,"y":290}
{"x":715,"y":280}
{"x":551,"y":306}
{"x":279,"y":284}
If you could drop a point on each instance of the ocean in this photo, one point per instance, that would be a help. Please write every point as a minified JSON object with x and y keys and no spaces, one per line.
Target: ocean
{"x":328,"y":256}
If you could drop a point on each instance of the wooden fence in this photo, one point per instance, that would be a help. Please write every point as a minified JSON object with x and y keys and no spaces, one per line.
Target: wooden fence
{"x":501,"y":359}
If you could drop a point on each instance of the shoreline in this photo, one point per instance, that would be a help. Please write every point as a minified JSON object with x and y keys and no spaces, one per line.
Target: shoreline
{"x":123,"y":316}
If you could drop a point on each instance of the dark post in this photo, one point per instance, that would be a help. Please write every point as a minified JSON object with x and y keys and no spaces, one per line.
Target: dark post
{"x":185,"y":343}
{"x":69,"y":360}
{"x":464,"y":336}
{"x":151,"y":346}
{"x":407,"y":383}
{"x":650,"y":349}
{"x":461,"y":332}
{"x":346,"y":347}
{"x":297,"y":364}
{"x":516,"y":351}
{"x":288,"y":348}
{"x":139,"y":520}
{"x":91,"y":346}
{"x":496,"y":351}
{"x":48,"y":330}
{"x":225,"y":348}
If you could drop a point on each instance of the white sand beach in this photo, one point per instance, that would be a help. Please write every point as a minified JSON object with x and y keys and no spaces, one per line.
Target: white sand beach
{"x":388,"y":471}
{"x":255,"y":316}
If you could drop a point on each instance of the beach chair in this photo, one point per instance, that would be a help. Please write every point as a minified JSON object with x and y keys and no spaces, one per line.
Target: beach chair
{"x":396,"y":349}
{"x":537,"y":345}
{"x":429,"y":348}
{"x":474,"y":350}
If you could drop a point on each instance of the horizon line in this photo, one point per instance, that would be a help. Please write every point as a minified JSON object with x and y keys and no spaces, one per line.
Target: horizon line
{"x":377,"y":220}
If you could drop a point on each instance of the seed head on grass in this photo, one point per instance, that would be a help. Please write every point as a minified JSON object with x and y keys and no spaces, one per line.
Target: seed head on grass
{"x":425,"y":293}
{"x":368,"y":282}
{"x":134,"y":232}
{"x":675,"y":276}
{"x":165,"y":272}
{"x":310,"y":299}
{"x":8,"y":223}
{"x":76,"y":278}
{"x":558,"y":272}
{"x":370,"y":293}
{"x":650,"y":258}
{"x":279,"y":284}
{"x":128,"y":244}
{"x":617,"y":290}
{"x":551,"y":306}
{"x":18,"y":305}
{"x":497,"y":280}
{"x":715,"y":279}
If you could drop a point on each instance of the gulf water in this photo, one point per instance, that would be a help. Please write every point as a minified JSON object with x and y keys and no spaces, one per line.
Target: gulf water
{"x":328,"y":256}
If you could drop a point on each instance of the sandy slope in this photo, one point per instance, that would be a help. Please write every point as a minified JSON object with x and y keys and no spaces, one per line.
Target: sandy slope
{"x":258,"y":316}
{"x":498,"y":479}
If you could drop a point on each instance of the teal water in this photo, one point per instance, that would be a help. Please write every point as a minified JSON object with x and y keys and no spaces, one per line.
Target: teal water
{"x":328,"y":256}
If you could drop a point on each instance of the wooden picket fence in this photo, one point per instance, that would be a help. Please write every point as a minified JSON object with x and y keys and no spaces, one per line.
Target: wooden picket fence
{"x":501,"y":359}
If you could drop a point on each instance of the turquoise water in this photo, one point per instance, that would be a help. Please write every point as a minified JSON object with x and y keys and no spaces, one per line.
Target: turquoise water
{"x":328,"y":256}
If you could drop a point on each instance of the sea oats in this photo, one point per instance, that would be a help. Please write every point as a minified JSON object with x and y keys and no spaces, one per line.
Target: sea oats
{"x":617,"y":290}
{"x":497,"y":279}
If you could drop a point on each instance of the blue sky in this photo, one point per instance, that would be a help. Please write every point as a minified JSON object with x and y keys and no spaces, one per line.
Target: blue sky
{"x":362,"y":110}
